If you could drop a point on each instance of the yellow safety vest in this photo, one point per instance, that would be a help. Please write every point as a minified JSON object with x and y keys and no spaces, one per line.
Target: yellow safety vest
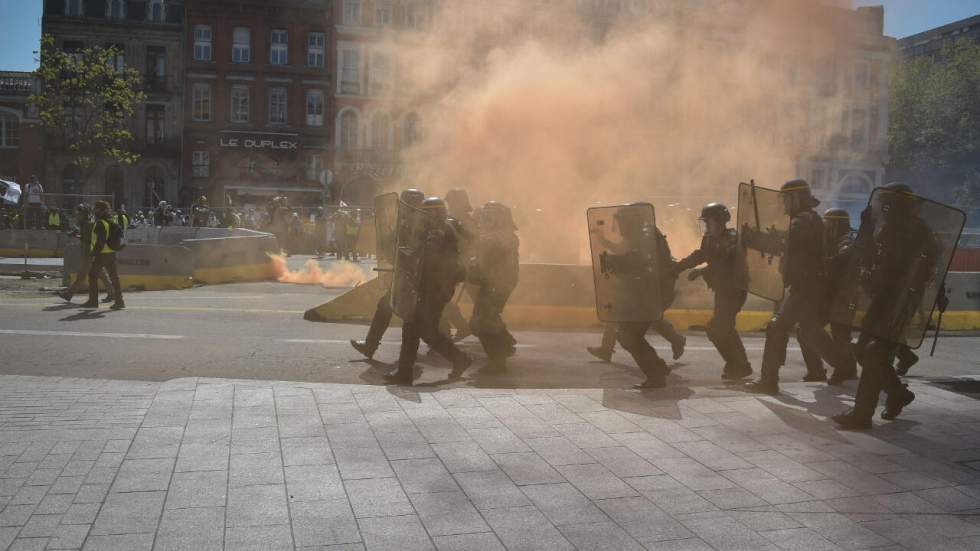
{"x":123,"y":223}
{"x":54,"y":219}
{"x":105,"y":248}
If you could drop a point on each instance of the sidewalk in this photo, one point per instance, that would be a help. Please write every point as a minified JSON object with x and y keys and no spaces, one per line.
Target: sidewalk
{"x":203,"y":464}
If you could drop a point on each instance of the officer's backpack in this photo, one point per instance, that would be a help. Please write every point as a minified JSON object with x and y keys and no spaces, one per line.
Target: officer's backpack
{"x":115,"y":240}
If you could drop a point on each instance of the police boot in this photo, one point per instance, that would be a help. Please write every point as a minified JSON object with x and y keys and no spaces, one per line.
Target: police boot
{"x":402,"y":376}
{"x":763,"y":386}
{"x":118,"y":305}
{"x":736,"y":373}
{"x":841,"y":375}
{"x":603,"y":354}
{"x":906,"y":359}
{"x":677,"y":346}
{"x":656,"y":376}
{"x":852,"y":421}
{"x":364,"y":347}
{"x":815,"y":376}
{"x":65,"y":295}
{"x":895,"y":404}
{"x":461,"y":363}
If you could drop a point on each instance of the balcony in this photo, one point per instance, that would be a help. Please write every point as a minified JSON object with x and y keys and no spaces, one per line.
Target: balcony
{"x":154,"y":85}
{"x":16,"y":84}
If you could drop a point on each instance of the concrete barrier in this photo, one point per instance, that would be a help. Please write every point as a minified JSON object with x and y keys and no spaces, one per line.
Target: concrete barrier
{"x":560,"y":296}
{"x":143,"y":267}
{"x":39,"y":243}
{"x":232,"y":259}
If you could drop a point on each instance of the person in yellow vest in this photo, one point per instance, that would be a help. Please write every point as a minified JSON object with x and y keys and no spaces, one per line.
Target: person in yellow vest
{"x":121,"y":218}
{"x":54,"y":219}
{"x":105,"y":241}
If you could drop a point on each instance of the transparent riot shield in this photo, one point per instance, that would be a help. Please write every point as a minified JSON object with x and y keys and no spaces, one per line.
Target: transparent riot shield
{"x":625,"y":263}
{"x":385,"y":224}
{"x":897,"y":267}
{"x":410,"y":241}
{"x":763,"y":228}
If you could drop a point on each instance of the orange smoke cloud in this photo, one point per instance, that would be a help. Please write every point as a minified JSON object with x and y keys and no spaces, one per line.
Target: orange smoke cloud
{"x":339,"y":274}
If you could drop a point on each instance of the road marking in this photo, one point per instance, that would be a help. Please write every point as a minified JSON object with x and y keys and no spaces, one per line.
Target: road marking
{"x":80,"y":334}
{"x":383,"y":343}
{"x":168,"y":308}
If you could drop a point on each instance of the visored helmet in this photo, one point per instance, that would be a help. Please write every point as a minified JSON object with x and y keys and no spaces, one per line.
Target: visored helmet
{"x":797,"y":195}
{"x":412,"y":196}
{"x":715,"y":211}
{"x":495,"y":216}
{"x":458,"y":200}
{"x":436,"y":209}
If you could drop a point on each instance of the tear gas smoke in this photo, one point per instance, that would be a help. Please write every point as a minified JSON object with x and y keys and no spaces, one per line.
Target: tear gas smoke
{"x":340,"y":274}
{"x":556,"y":106}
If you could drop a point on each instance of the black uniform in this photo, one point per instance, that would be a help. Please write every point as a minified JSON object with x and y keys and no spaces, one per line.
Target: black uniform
{"x":718,"y":253}
{"x":497,"y":271}
{"x":467,"y":232}
{"x":804,"y":274}
{"x":440,"y":272}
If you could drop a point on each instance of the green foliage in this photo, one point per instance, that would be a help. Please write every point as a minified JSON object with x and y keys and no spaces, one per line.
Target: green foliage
{"x":935,"y":109}
{"x":87,"y":102}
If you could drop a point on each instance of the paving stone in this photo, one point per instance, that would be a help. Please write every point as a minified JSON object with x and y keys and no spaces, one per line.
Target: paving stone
{"x":256,"y":505}
{"x":402,"y":533}
{"x":16,"y":515}
{"x":198,"y":489}
{"x":527,"y":468}
{"x":129,"y":513}
{"x":69,"y":537}
{"x":693,"y":474}
{"x":29,"y":544}
{"x":585,"y":435}
{"x":66,"y":485}
{"x":54,"y":504}
{"x":424,"y":475}
{"x":563,"y":504}
{"x":782,"y":467}
{"x":670,"y":495}
{"x":525,"y":528}
{"x":448,"y":513}
{"x":254,"y":440}
{"x":595,"y":481}
{"x":29,"y":495}
{"x":907,"y":502}
{"x":306,"y":451}
{"x":156,"y":442}
{"x":365,"y":462}
{"x":761,"y":521}
{"x":81,"y":513}
{"x":800,"y":539}
{"x":491,"y":489}
{"x":767,"y":486}
{"x":459,"y":457}
{"x":200,"y":528}
{"x":826,"y":489}
{"x":254,"y":469}
{"x":77,"y":468}
{"x":314,"y":483}
{"x":259,"y":538}
{"x":643,"y":520}
{"x":603,"y":536}
{"x":211,"y":456}
{"x":40,"y":526}
{"x":91,"y":493}
{"x":378,"y":497}
{"x":949,"y":499}
{"x":840,"y":530}
{"x":404,"y":445}
{"x":43,"y":477}
{"x":469,"y":542}
{"x":500,"y":440}
{"x":140,"y":475}
{"x":727,"y":533}
{"x":623,"y":462}
{"x":119,"y":542}
{"x":101,"y":475}
{"x":731,"y":498}
{"x":324,"y":523}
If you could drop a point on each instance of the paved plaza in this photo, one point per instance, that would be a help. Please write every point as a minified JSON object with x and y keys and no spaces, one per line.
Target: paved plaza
{"x":200,"y":464}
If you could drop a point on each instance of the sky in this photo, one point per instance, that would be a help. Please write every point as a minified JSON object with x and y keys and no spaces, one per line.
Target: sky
{"x":20,"y":23}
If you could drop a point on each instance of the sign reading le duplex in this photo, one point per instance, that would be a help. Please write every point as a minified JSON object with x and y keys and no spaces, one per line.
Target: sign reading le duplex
{"x":251,"y":143}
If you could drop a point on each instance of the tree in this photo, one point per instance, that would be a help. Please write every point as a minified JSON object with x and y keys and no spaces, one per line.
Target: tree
{"x":86,"y":102}
{"x":935,"y":109}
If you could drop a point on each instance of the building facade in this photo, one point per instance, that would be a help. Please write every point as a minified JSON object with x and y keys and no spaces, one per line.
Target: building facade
{"x":150,"y":35}
{"x":258,"y":94}
{"x":21,"y":137}
{"x":931,"y":42}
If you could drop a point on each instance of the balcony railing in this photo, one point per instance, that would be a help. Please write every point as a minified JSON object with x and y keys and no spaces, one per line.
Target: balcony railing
{"x":158,"y":85}
{"x":16,"y":85}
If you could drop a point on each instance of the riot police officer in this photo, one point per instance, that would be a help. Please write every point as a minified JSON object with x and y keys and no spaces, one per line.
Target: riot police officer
{"x":201,"y":213}
{"x":495,"y":270}
{"x":898,"y":255}
{"x":717,"y":252}
{"x":804,"y":276}
{"x":458,"y":202}
{"x":439,"y":271}
{"x":382,"y":314}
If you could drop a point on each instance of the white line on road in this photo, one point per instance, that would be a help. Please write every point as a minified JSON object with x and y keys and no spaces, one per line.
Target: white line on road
{"x":79,"y":334}
{"x":383,"y":343}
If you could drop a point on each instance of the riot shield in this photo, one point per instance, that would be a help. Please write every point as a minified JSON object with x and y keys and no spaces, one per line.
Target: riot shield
{"x":385,"y":223}
{"x":625,"y":263}
{"x":763,"y":228}
{"x":410,"y":241}
{"x":897,"y":267}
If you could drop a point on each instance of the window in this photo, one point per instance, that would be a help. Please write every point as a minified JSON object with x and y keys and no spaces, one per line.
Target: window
{"x":73,"y":8}
{"x":277,"y":105}
{"x":239,"y":104}
{"x":241,"y":45}
{"x":155,"y":124}
{"x":347,"y":136}
{"x":352,"y":12}
{"x":202,"y":42}
{"x":314,"y":166}
{"x":156,"y":66}
{"x":859,"y":123}
{"x":314,"y":108}
{"x":9,"y":131}
{"x":201,"y":102}
{"x":76,"y":49}
{"x":116,"y":10}
{"x":380,"y":74}
{"x":315,"y":49}
{"x":382,"y":15}
{"x":350,"y":73}
{"x":279,"y":51}
{"x":412,"y":132}
{"x":118,"y":61}
{"x":201,"y":162}
{"x":155,"y":11}
{"x":381,"y":131}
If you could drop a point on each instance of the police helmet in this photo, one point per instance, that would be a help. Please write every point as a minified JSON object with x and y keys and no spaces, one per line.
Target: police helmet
{"x":436,"y":208}
{"x":496,"y":216}
{"x":715,"y":211}
{"x":412,"y":196}
{"x":798,"y":190}
{"x":458,"y":200}
{"x":836,"y":215}
{"x":898,"y":186}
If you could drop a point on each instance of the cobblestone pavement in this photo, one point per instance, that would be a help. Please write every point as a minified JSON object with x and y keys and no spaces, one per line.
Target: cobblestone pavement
{"x":204,"y":464}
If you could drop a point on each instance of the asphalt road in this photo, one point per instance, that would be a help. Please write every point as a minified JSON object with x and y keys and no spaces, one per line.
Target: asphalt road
{"x":256,"y":331}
